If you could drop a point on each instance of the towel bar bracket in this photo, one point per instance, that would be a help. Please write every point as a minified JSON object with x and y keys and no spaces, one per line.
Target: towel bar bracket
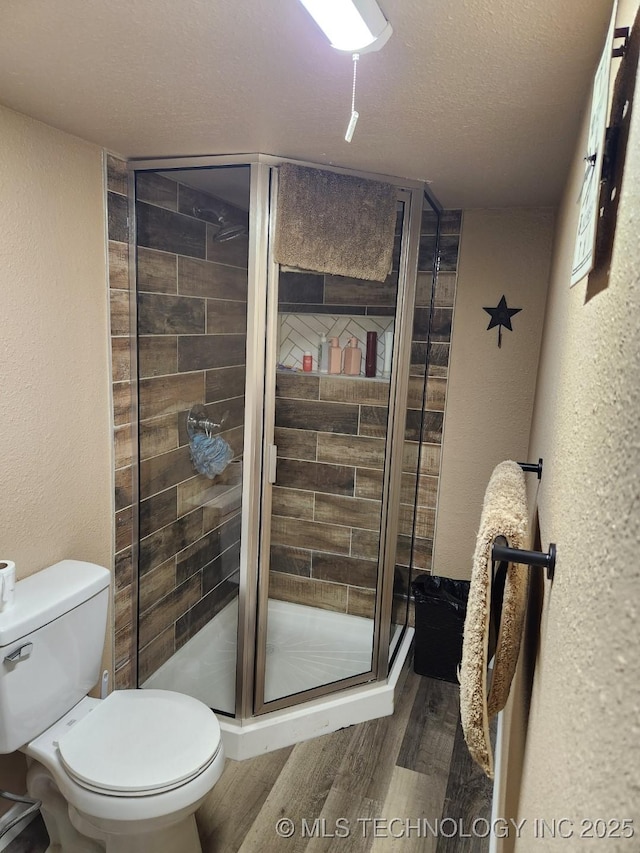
{"x":532,"y":466}
{"x":501,"y":553}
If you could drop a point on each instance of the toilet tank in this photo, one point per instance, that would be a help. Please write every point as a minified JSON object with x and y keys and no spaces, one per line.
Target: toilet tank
{"x":51,"y":643}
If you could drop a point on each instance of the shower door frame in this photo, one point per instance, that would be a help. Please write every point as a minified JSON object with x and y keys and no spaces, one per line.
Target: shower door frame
{"x":411,"y":195}
{"x":262,"y":278}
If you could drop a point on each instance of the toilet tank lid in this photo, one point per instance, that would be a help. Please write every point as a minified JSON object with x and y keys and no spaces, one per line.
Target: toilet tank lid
{"x":48,"y":594}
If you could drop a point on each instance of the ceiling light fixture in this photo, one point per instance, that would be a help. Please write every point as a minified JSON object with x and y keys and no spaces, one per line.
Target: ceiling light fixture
{"x":355,"y":26}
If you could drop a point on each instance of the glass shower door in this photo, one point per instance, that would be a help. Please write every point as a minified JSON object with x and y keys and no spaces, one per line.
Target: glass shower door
{"x":325,"y":503}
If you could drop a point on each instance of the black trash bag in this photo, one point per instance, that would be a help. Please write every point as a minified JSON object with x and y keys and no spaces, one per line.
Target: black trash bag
{"x":441,"y":607}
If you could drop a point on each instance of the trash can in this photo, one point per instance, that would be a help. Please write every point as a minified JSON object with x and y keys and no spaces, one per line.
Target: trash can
{"x":441,"y":606}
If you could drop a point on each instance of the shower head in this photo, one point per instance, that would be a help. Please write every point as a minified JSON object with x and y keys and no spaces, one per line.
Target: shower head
{"x":226,"y":230}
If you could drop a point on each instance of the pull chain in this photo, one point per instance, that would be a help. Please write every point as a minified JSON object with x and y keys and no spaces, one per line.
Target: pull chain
{"x":354,"y":115}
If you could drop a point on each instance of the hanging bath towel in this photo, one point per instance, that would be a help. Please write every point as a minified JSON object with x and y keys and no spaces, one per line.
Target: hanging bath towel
{"x":332,"y":223}
{"x":504,"y":513}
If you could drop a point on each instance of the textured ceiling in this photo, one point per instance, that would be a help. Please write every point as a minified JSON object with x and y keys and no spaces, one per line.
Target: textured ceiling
{"x":480,"y":97}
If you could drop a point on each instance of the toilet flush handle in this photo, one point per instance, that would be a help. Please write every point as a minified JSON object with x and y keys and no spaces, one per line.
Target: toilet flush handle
{"x":20,"y":653}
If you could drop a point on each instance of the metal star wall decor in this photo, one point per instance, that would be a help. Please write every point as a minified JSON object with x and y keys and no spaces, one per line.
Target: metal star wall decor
{"x":501,"y":316}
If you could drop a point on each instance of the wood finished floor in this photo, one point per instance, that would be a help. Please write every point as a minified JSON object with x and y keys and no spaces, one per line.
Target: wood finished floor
{"x":413,"y":765}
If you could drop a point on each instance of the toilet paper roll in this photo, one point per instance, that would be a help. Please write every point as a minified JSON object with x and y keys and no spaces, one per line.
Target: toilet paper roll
{"x":7,"y":583}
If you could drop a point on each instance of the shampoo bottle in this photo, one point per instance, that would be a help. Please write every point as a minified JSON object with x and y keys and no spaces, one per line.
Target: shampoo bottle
{"x":323,"y":355}
{"x":335,"y":356}
{"x":352,"y":358}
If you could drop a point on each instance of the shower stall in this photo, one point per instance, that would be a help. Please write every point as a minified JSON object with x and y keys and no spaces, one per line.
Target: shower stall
{"x":277,"y":589}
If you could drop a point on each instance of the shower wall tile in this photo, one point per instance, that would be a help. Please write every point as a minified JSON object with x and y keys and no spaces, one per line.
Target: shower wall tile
{"x":168,"y":541}
{"x":208,"y":548}
{"x":339,"y":290}
{"x":300,"y":590}
{"x":123,"y":487}
{"x":124,"y":588}
{"x":296,"y":287}
{"x":364,"y":543}
{"x":233,"y":253}
{"x":157,"y":652}
{"x":118,"y":217}
{"x":292,"y":503}
{"x":328,"y":417}
{"x":204,"y":352}
{"x":354,"y":512}
{"x":122,"y":445}
{"x":297,"y":444}
{"x":373,"y":391}
{"x":319,"y":537}
{"x":297,"y":386}
{"x":293,"y":561}
{"x":162,"y":472}
{"x":200,"y":491}
{"x":170,"y":232}
{"x":121,"y":359}
{"x":449,"y":253}
{"x":445,"y":295}
{"x":117,"y":175}
{"x":368,"y":484}
{"x":157,"y":271}
{"x":359,"y":450}
{"x":158,"y":511}
{"x":163,"y":614}
{"x":361,"y":602}
{"x":316,"y":476}
{"x":346,"y":570}
{"x":223,"y":509}
{"x":213,"y":280}
{"x":158,"y":435}
{"x":157,"y":190}
{"x":119,"y":311}
{"x":122,"y":413}
{"x":118,"y":260}
{"x":205,"y":609}
{"x":373,"y":421}
{"x":157,"y":355}
{"x":225,"y":317}
{"x":160,"y":314}
{"x":223,"y":383}
{"x":157,"y":584}
{"x":222,"y":568}
{"x":165,"y":394}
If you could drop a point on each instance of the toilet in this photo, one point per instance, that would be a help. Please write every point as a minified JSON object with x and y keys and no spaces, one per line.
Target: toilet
{"x":124,"y":774}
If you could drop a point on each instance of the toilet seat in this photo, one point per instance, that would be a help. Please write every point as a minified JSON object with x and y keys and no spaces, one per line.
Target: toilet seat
{"x":136,"y":743}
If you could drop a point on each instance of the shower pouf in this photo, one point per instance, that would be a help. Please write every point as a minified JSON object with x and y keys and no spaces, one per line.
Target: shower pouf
{"x":210,"y":455}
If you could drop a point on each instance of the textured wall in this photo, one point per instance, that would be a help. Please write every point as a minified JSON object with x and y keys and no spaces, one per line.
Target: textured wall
{"x":582,"y":754}
{"x":55,"y":462}
{"x":491,"y":389}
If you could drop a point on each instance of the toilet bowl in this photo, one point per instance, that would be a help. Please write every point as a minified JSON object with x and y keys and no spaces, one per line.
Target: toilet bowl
{"x":132,"y":769}
{"x":123,"y":774}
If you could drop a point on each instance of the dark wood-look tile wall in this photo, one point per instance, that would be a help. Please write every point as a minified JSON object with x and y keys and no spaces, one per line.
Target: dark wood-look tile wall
{"x":191,"y":310}
{"x":342,"y":422}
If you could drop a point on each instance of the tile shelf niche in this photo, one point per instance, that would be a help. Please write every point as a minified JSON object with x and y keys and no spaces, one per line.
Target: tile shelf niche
{"x":301,"y":332}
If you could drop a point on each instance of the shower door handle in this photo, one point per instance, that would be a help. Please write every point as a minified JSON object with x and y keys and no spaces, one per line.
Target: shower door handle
{"x":272,"y":463}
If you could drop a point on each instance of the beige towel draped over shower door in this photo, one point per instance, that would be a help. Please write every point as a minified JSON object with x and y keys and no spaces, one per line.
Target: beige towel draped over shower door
{"x":333,"y":223}
{"x":504,"y":513}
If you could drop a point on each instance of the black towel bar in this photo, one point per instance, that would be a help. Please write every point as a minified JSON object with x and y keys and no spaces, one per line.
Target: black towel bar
{"x":532,"y":466}
{"x":501,"y":553}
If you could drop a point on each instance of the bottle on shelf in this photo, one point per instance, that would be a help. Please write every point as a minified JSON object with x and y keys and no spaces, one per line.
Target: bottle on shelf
{"x":323,"y":355}
{"x":371,"y":357}
{"x":335,"y":356}
{"x":352,"y":358}
{"x":307,"y":362}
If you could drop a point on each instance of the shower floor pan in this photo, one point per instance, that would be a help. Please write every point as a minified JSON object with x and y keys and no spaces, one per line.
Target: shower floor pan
{"x":306,"y":647}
